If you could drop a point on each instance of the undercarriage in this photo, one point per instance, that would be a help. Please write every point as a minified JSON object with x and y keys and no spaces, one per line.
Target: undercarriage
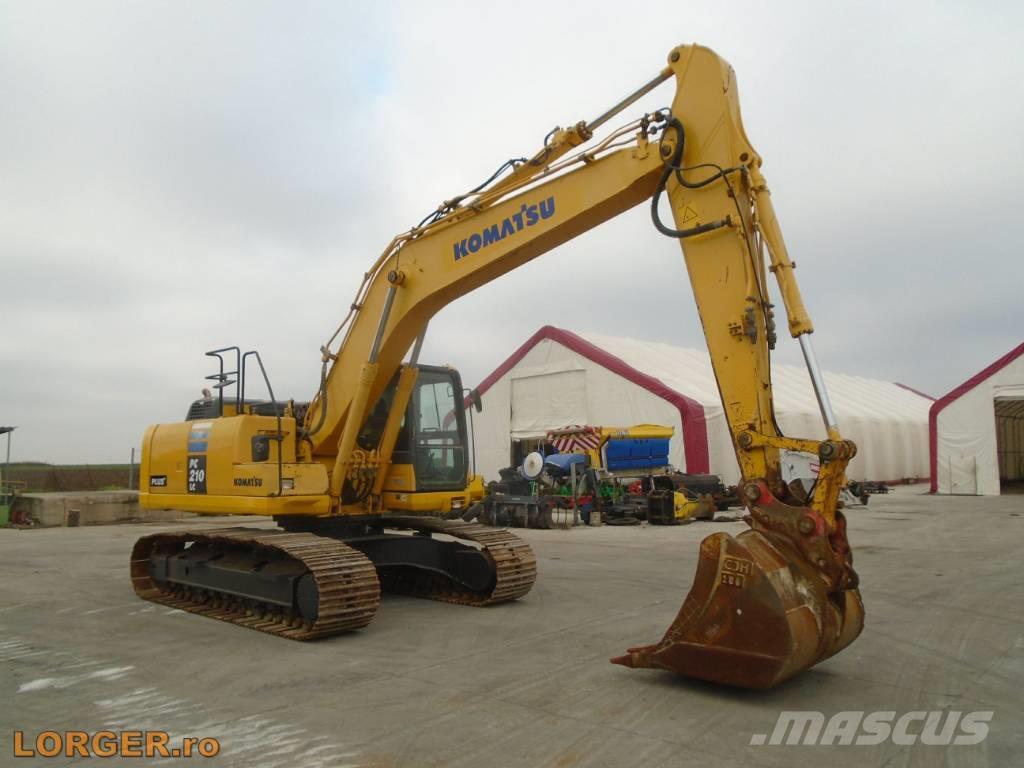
{"x":319,"y":577}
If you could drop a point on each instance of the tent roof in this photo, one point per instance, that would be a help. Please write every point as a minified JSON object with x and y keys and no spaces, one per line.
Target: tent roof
{"x":686,"y":374}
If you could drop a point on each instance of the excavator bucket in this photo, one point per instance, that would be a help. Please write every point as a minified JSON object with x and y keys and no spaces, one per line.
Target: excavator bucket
{"x":758,"y":613}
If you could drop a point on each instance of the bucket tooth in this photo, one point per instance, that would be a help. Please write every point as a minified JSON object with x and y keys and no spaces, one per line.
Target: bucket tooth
{"x":757,"y":613}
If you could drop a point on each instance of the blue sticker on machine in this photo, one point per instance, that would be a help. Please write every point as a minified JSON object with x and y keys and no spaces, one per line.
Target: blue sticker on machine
{"x":199,"y":437}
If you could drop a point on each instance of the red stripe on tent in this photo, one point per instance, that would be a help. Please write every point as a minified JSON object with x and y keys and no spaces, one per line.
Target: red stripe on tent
{"x":942,"y":402}
{"x":691,"y":413}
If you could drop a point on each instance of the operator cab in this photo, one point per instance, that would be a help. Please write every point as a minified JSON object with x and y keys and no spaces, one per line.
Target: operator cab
{"x":432,"y":439}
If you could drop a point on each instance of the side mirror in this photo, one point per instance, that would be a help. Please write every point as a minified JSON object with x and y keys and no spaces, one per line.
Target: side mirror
{"x":474,"y":395}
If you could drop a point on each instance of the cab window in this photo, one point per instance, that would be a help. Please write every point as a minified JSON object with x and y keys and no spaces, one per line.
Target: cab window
{"x":440,"y":455}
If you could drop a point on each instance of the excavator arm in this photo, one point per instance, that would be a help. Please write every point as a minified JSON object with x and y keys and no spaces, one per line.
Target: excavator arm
{"x":765,"y":604}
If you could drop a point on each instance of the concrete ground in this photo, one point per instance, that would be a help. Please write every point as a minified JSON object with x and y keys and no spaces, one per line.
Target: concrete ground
{"x":525,"y":684}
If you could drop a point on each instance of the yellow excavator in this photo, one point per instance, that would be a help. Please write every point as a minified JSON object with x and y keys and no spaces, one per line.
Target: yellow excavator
{"x":367,"y":481}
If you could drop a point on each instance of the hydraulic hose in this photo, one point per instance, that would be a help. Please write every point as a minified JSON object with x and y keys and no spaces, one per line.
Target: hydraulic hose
{"x":672,"y":166}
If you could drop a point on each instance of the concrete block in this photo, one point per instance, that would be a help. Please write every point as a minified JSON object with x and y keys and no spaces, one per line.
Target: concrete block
{"x":48,"y":510}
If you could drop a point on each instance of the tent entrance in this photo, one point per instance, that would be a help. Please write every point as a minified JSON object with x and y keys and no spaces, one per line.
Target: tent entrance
{"x":1009,"y":413}
{"x":963,"y":475}
{"x":547,"y":400}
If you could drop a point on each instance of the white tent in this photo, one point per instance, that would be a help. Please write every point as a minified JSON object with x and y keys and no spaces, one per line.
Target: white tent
{"x":976,"y":432}
{"x":558,"y":378}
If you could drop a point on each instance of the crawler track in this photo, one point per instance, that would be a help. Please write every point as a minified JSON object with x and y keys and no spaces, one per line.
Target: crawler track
{"x":349,"y":591}
{"x":514,"y":563}
{"x":347,"y":581}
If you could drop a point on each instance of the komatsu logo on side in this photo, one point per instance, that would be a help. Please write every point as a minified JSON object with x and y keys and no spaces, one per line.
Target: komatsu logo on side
{"x":249,"y":482}
{"x":526,"y":216}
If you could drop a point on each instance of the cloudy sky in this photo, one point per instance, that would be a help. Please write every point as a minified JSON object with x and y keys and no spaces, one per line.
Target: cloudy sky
{"x":176,"y":176}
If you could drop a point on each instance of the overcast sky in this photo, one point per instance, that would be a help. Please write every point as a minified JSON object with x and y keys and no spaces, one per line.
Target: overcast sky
{"x":180,"y":176}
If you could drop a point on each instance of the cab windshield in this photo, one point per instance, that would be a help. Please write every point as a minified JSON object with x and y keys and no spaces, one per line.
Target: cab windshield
{"x":436,"y":441}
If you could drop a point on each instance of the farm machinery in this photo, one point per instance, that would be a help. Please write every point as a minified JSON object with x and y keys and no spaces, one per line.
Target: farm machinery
{"x":615,"y":475}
